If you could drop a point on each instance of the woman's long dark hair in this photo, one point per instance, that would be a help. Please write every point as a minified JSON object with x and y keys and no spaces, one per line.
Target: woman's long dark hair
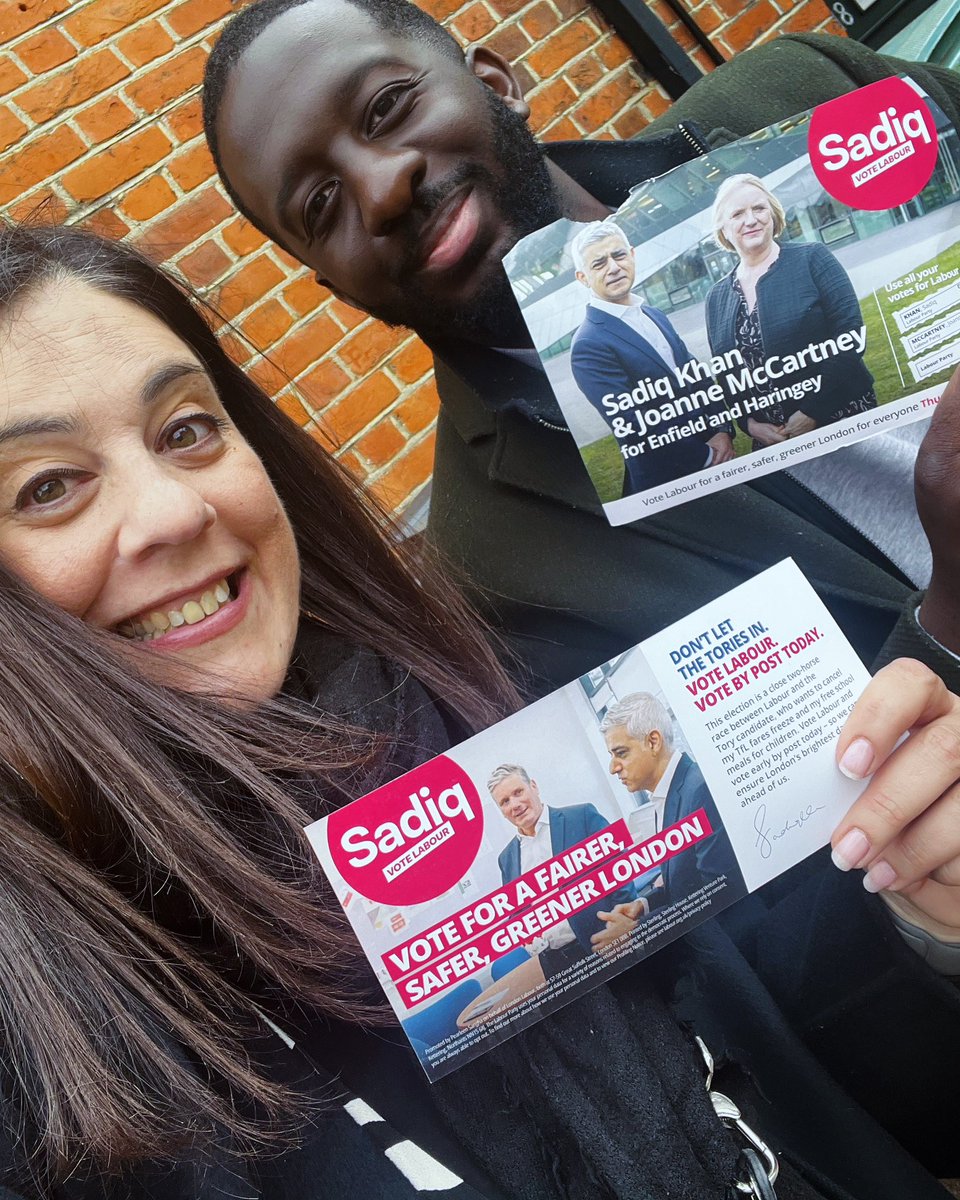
{"x":117,"y":792}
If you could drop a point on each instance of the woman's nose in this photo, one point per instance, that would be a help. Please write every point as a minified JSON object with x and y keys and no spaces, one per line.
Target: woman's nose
{"x":164,"y":508}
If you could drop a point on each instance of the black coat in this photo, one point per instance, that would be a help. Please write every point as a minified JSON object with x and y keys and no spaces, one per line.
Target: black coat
{"x":512,"y":505}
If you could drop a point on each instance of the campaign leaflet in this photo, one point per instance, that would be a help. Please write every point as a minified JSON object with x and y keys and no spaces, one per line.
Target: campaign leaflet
{"x":782,"y":297}
{"x":499,"y":881}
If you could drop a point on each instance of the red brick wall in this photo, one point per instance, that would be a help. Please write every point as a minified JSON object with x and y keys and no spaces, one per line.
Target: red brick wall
{"x":100,"y":116}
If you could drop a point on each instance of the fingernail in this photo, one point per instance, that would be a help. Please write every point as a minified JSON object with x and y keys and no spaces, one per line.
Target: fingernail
{"x":881,"y":875}
{"x":851,"y":850}
{"x":857,"y":759}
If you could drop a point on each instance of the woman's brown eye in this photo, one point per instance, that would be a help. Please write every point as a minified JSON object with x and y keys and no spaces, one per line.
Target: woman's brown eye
{"x":49,"y":490}
{"x":384,"y":104}
{"x":191,"y":431}
{"x":183,"y":436}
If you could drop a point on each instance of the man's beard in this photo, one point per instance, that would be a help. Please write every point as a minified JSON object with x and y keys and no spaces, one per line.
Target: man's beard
{"x":525,"y":198}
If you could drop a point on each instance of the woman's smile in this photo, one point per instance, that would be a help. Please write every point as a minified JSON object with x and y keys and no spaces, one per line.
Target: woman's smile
{"x":174,"y":621}
{"x":129,"y":498}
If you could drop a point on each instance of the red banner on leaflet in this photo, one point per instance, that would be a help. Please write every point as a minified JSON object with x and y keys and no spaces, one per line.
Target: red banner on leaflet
{"x":494,"y":909}
{"x":529,"y":906}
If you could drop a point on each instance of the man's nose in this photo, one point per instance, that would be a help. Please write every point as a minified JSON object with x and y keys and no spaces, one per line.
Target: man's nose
{"x":387,"y":186}
{"x":163,"y":507}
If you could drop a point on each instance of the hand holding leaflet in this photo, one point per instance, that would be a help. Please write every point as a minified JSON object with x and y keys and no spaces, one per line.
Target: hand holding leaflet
{"x":904,"y":828}
{"x":548,"y":853}
{"x":715,"y":329}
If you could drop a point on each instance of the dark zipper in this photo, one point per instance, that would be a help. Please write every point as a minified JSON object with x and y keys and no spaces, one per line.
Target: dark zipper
{"x":688,"y":135}
{"x":551,"y":425}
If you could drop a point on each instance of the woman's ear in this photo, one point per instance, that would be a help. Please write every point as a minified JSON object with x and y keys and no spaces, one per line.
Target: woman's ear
{"x":493,"y":69}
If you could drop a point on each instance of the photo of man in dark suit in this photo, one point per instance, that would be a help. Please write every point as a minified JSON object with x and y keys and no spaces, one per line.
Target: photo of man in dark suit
{"x":542,"y":833}
{"x":623,"y":341}
{"x":638,"y":731}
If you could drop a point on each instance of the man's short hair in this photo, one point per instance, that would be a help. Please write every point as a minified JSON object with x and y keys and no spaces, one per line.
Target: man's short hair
{"x":596,"y":231}
{"x":504,"y":771}
{"x":640,"y":714}
{"x":724,"y":190}
{"x":398,"y":17}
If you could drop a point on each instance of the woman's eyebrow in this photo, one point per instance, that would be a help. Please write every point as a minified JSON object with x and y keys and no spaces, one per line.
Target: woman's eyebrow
{"x":152,"y":390}
{"x":160,"y":380}
{"x":36,"y":426}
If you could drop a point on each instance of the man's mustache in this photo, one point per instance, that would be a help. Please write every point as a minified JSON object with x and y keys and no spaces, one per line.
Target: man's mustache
{"x":427,"y":200}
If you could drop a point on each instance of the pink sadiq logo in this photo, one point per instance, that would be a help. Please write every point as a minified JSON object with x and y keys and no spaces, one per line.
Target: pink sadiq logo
{"x":874,"y":148}
{"x":412,"y":839}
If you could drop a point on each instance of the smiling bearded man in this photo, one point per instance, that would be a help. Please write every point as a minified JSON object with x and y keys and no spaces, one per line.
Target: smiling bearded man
{"x":414,"y":238}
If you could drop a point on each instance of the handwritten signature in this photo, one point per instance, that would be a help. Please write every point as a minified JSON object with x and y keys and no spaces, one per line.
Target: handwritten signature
{"x":765,"y":838}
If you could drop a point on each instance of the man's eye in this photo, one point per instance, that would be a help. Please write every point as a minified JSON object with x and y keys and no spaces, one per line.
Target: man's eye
{"x":187,"y":432}
{"x":316,"y":206}
{"x":384,"y":105}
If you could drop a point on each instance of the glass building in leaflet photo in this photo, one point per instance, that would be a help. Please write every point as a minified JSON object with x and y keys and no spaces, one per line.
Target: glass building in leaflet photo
{"x":669,"y":224}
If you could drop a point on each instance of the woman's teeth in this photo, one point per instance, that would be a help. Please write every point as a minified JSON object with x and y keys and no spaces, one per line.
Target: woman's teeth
{"x":156,"y":624}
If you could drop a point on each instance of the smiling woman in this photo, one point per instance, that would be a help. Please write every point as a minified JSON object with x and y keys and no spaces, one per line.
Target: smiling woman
{"x":129,"y":498}
{"x":168,"y":540}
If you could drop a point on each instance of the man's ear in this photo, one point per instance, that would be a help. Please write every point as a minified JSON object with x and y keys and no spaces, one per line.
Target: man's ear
{"x":582,"y":278}
{"x":493,"y":69}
